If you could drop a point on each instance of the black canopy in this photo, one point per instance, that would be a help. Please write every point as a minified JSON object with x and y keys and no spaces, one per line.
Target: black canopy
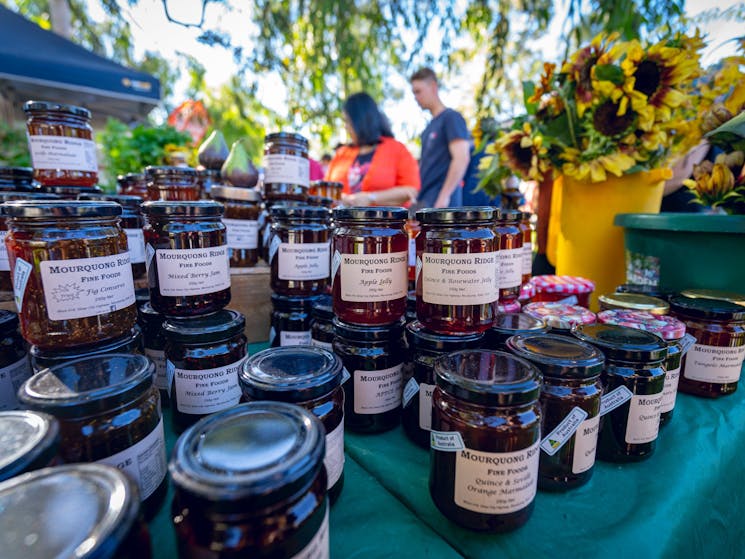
{"x":39,"y":64}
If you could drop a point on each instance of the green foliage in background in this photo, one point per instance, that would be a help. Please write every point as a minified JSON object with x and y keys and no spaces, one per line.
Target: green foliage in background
{"x":14,"y":146}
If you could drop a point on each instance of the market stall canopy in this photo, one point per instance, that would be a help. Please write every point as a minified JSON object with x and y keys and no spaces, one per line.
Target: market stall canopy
{"x":38,"y":64}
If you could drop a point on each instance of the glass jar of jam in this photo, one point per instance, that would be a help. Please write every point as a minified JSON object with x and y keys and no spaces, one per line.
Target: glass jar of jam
{"x":633,"y":302}
{"x":16,"y":179}
{"x":187,"y":252}
{"x":508,"y":325}
{"x":203,"y":357}
{"x":15,"y":367}
{"x":207,"y":179}
{"x":560,"y":317}
{"x":286,"y":160}
{"x":486,"y":431}
{"x":68,"y":192}
{"x":712,"y":367}
{"x":132,"y":184}
{"x":241,"y":219}
{"x":412,"y":227}
{"x":291,"y":318}
{"x":369,"y":271}
{"x":132,"y":222}
{"x":511,"y":255}
{"x":526,"y":230}
{"x":129,"y":343}
{"x":60,"y":141}
{"x":326,"y":189}
{"x":72,"y":274}
{"x":151,"y":323}
{"x":310,"y":377}
{"x":250,"y":482}
{"x":457,"y":269}
{"x":634,"y":380}
{"x":299,"y":253}
{"x":425,"y":347}
{"x":570,"y":406}
{"x":374,"y":356}
{"x":109,"y":412}
{"x":173,"y":184}
{"x":29,"y":441}
{"x":569,"y":290}
{"x":86,"y":511}
{"x":669,"y":329}
{"x":321,"y":323}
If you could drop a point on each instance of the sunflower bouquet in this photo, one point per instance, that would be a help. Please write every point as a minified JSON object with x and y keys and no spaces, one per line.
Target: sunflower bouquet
{"x":614,"y":108}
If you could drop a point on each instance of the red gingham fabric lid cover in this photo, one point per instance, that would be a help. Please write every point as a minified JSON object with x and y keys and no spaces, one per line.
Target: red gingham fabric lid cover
{"x":667,"y":327}
{"x":571,"y":285}
{"x":560,"y":315}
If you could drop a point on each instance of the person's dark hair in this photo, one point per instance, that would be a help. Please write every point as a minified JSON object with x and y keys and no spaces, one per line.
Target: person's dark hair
{"x":369,"y":123}
{"x":423,"y":74}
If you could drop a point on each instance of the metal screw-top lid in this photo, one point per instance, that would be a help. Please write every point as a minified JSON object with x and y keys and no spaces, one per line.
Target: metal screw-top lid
{"x":32,"y":209}
{"x":29,"y":440}
{"x":620,"y":343}
{"x":714,"y":309}
{"x":558,"y":356}
{"x":198,"y":208}
{"x":458,"y":216}
{"x":219,"y":326}
{"x":371,"y":213}
{"x":48,"y":107}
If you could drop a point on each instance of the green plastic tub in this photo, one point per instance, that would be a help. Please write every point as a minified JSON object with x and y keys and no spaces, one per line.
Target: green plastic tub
{"x":677,"y":251}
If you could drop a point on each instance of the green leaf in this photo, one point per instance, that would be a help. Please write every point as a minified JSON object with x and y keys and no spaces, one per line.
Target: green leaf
{"x":528,"y":92}
{"x":731,"y":132}
{"x":609,"y":73}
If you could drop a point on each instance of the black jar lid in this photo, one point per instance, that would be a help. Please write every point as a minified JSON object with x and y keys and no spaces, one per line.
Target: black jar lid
{"x":457,"y":216}
{"x":46,"y":106}
{"x":417,"y":335}
{"x":61,"y":208}
{"x":126,"y":343}
{"x":290,"y":374}
{"x":66,"y":191}
{"x":649,"y":290}
{"x":264,"y":452}
{"x":510,"y":324}
{"x":235,"y":193}
{"x":558,"y":356}
{"x":299,"y":212}
{"x":488,"y":377}
{"x":29,"y":440}
{"x":216,"y":327}
{"x":97,"y":383}
{"x":8,"y":322}
{"x":85,"y":511}
{"x":714,"y":309}
{"x":20,"y":178}
{"x":385,"y":333}
{"x":374,"y":213}
{"x":286,"y":137}
{"x":323,"y":307}
{"x":197,"y":208}
{"x":510,"y":215}
{"x":9,"y":196}
{"x":620,"y":343}
{"x":293,"y":304}
{"x":158,"y":171}
{"x":124,"y":200}
{"x":146,"y":313}
{"x":130,"y":178}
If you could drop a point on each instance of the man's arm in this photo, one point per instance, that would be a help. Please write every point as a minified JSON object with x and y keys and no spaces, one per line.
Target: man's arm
{"x":460,"y":155}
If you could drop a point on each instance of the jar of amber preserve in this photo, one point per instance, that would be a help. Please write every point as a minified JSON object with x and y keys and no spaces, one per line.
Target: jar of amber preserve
{"x":511,"y":255}
{"x":86,"y":511}
{"x":291,"y":318}
{"x":173,"y":184}
{"x":29,"y":441}
{"x":374,"y":357}
{"x":457,"y":269}
{"x":109,"y":412}
{"x":72,"y":273}
{"x":15,"y":367}
{"x":187,"y":252}
{"x":321,"y":323}
{"x":526,"y":230}
{"x":669,"y":329}
{"x":486,"y":431}
{"x":250,"y":482}
{"x":634,"y":381}
{"x":326,"y":189}
{"x":369,"y":271}
{"x":132,"y":184}
{"x":570,"y":406}
{"x":60,"y":141}
{"x":299,"y":252}
{"x":16,"y":179}
{"x":203,"y":357}
{"x":286,"y":160}
{"x":151,"y":323}
{"x":241,"y":219}
{"x":713,"y":365}
{"x":425,"y":346}
{"x":311,"y":378}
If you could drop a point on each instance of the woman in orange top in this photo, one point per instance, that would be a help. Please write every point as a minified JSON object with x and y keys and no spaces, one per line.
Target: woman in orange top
{"x":375,"y":169}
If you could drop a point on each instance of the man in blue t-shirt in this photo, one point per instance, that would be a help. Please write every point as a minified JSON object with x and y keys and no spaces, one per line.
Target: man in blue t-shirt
{"x":445,"y":146}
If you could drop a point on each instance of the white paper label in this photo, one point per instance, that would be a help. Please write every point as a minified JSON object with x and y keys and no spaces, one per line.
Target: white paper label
{"x":459,"y":279}
{"x":412,"y":253}
{"x":4,"y":262}
{"x":557,"y":438}
{"x":84,"y":287}
{"x":158,"y":358}
{"x":686,"y":343}
{"x":446,"y":441}
{"x":585,"y":445}
{"x":309,"y":261}
{"x":510,"y":268}
{"x":410,"y":389}
{"x":11,"y":379}
{"x":294,"y":338}
{"x":670,"y":393}
{"x":63,"y":152}
{"x":193,"y":271}
{"x":335,"y":263}
{"x":318,"y":548}
{"x":496,"y":483}
{"x":714,"y":364}
{"x":144,"y":462}
{"x":324,"y":345}
{"x":208,"y":390}
{"x":242,"y":233}
{"x":644,"y":418}
{"x":614,"y":398}
{"x":334,"y":459}
{"x":527,"y":258}
{"x":290,"y":169}
{"x":374,"y":278}
{"x":425,"y":406}
{"x":377,"y":391}
{"x":21,"y":273}
{"x":136,"y":245}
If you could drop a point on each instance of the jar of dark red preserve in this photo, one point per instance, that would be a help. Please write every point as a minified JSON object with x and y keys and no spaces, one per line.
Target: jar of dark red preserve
{"x":151,"y":323}
{"x":173,"y":184}
{"x":241,"y":219}
{"x":132,"y":184}
{"x":322,"y":323}
{"x":511,"y":255}
{"x":291,"y":320}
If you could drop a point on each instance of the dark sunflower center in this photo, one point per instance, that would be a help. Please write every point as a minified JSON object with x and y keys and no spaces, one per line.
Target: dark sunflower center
{"x":607,"y":122}
{"x":647,"y":76}
{"x":521,"y":157}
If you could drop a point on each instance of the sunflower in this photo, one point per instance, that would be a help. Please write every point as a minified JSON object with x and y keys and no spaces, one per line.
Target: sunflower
{"x":595,"y":169}
{"x":580,"y":68}
{"x":610,"y":120}
{"x":523,"y":152}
